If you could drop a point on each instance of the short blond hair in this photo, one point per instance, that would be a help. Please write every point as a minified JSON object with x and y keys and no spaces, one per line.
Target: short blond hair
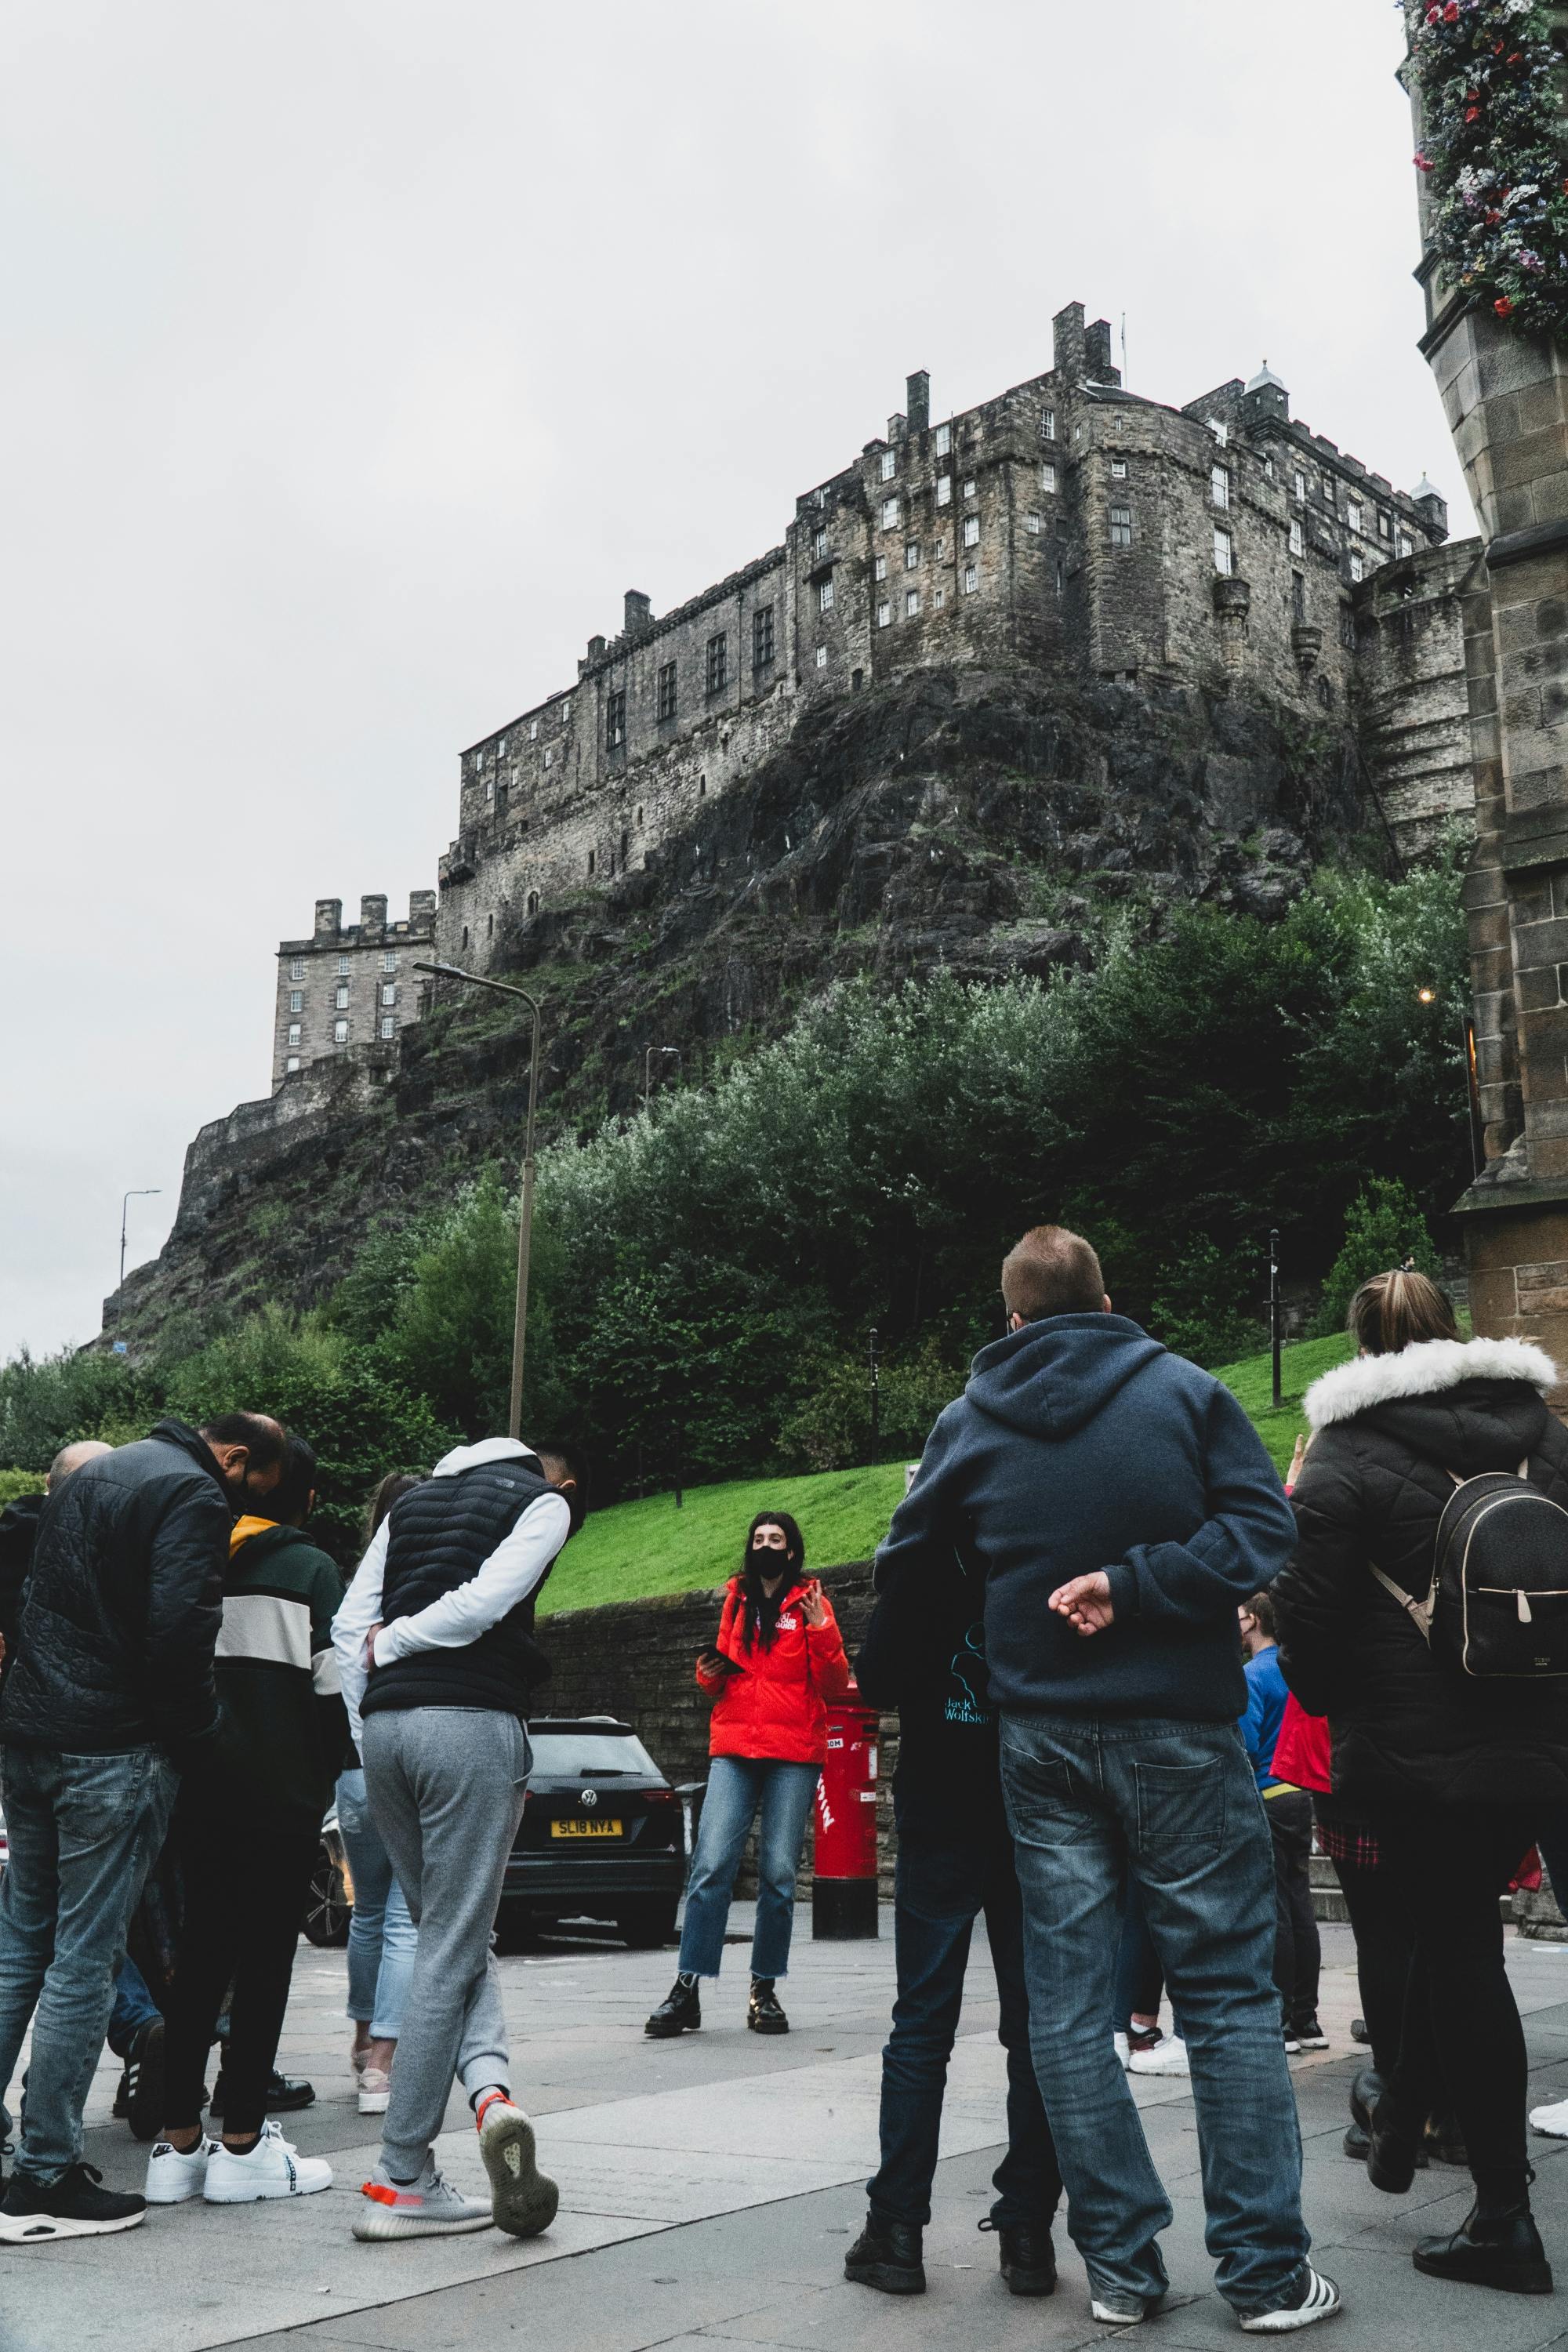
{"x":1052,"y":1272}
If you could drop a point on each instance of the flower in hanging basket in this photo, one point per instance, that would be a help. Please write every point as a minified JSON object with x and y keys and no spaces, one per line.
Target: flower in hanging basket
{"x":1503,"y":307}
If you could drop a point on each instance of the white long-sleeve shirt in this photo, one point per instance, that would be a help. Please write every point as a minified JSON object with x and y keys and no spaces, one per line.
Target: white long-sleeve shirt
{"x":515,"y":1569}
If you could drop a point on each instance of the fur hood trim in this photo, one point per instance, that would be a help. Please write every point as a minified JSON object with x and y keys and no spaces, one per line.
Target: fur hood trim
{"x":1425,"y":1369}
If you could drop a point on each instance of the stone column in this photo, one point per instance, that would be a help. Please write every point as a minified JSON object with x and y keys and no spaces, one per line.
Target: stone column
{"x":1506,"y":397}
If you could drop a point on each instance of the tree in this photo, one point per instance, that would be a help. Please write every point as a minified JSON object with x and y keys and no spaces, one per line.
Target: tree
{"x":1385,"y":1228}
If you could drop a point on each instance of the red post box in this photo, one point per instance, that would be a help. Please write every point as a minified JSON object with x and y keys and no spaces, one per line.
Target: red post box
{"x":844,"y":1888}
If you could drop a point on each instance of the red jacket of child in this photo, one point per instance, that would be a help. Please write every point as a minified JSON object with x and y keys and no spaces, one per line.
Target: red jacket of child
{"x":776,"y":1707}
{"x":1301,"y":1751}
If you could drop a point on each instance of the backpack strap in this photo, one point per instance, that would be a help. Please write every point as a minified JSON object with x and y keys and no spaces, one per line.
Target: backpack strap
{"x":1420,"y":1613}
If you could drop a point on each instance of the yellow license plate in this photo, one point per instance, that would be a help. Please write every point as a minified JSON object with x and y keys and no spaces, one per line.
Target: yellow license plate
{"x":575,"y":1829}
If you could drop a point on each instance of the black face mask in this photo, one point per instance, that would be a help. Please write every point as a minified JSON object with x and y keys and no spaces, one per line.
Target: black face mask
{"x":768,"y":1562}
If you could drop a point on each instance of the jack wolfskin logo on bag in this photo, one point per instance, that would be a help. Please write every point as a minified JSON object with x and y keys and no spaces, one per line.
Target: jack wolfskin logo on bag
{"x":1498,"y":1603}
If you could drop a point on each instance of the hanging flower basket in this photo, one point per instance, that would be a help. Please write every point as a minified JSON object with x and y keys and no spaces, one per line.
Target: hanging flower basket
{"x":1493,"y":146}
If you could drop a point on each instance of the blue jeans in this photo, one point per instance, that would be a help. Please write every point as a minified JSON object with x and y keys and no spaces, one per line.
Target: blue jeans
{"x":134,"y":2007}
{"x":738,"y":1786}
{"x":938,"y":1891}
{"x":1177,"y":1806}
{"x":382,"y":1935}
{"x":84,"y":1831}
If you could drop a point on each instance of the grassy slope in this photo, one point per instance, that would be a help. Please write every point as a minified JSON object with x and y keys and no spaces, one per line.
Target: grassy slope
{"x":637,"y":1549}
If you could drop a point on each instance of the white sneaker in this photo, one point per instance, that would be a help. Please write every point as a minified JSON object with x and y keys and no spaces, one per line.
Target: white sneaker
{"x":1169,"y":2056}
{"x":427,"y":2208}
{"x":274,"y":2167}
{"x":1118,"y":2310}
{"x":1119,"y":2044}
{"x":523,"y":2198}
{"x":172,"y":2175}
{"x":374,"y":2091}
{"x":1319,"y":2298}
{"x":1551,"y":2122}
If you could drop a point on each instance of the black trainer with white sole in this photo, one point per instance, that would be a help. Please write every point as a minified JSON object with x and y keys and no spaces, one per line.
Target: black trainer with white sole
{"x":74,"y":2206}
{"x":1312,"y":2298}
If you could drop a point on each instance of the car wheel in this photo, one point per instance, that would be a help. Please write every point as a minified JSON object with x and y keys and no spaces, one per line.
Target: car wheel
{"x":327,"y":1906}
{"x":648,"y":1925}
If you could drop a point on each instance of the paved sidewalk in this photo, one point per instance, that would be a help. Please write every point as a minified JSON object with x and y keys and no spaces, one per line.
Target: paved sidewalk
{"x":709,"y":2187}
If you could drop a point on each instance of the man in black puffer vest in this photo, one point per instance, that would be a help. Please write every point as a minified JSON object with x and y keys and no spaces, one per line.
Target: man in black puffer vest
{"x":438,"y":1661}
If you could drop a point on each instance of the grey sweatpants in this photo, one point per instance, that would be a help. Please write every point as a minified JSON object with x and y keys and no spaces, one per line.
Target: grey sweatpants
{"x":445,"y":1786}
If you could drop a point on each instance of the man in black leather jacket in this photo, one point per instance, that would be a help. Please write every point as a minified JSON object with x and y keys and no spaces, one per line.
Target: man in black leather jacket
{"x":110,"y":1695}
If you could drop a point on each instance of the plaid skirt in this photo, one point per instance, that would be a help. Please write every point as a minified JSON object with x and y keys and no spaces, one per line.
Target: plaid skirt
{"x":1345,"y":1838}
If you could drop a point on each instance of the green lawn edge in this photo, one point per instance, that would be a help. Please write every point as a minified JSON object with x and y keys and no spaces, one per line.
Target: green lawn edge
{"x":635,"y":1550}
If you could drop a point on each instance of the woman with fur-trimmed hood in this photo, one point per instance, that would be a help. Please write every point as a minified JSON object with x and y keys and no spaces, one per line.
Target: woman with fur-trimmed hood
{"x":1452,"y":1773}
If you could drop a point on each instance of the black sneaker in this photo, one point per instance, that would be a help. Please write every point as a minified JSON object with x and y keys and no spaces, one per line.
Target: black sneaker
{"x":1027,"y":2257}
{"x":1504,"y":2251}
{"x":284,"y":2095}
{"x":887,"y":2256}
{"x":74,"y":2206}
{"x":139,"y":2101}
{"x":680,"y":2011}
{"x":764,"y":2014}
{"x":1311,"y":2035}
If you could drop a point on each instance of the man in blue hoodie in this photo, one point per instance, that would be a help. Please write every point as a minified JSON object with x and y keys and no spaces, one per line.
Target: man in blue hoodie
{"x":1120,"y":1507}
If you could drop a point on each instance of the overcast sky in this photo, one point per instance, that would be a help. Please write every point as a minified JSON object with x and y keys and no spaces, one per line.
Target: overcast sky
{"x":359,"y":353}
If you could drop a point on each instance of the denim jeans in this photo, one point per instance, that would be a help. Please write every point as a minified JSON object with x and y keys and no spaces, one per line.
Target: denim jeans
{"x":738,"y":1786}
{"x":940,"y":1889}
{"x":1174,"y":1805}
{"x":134,"y":2007}
{"x":382,"y":1935}
{"x":1140,"y":1980}
{"x":84,"y":1831}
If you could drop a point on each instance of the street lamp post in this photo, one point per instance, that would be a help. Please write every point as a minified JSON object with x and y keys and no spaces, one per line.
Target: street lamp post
{"x":525,"y":1215}
{"x":140,"y":1193}
{"x":874,"y":1367}
{"x":648,"y":1068}
{"x":1275,"y":1335}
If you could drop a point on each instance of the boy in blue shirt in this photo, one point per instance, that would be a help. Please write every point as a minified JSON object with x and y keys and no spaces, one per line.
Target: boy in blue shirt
{"x":1298,"y":1953}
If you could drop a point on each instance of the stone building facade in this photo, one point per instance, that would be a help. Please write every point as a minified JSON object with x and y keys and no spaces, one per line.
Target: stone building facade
{"x":349,"y":984}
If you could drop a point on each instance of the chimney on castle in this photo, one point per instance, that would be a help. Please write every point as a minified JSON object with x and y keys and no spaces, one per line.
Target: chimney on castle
{"x":1068,"y":341}
{"x":1431,"y":505}
{"x":1097,"y":363}
{"x":329,"y":918}
{"x":639,"y":610}
{"x":421,"y":910}
{"x":595,"y":652}
{"x":917,"y":400}
{"x":898,"y":426}
{"x":372,"y":914}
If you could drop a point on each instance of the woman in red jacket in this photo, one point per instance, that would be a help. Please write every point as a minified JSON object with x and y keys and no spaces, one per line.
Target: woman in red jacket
{"x":778,"y":1659}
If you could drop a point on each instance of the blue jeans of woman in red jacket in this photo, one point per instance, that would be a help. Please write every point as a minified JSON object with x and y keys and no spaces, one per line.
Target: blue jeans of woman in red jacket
{"x":740,"y":1789}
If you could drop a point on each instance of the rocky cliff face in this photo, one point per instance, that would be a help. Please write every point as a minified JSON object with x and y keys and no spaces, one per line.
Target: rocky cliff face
{"x":983,"y":822}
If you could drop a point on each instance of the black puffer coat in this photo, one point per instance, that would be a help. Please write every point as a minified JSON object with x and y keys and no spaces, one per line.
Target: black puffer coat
{"x":1409,"y":1727}
{"x":122,"y":1604}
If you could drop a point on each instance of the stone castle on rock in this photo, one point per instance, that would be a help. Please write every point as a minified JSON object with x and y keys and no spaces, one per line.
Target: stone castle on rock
{"x":1068,"y":526}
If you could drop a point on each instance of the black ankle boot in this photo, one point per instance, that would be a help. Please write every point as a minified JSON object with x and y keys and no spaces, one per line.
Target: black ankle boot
{"x":1498,"y":2250}
{"x":1394,"y":2149}
{"x":887,"y":2256}
{"x":679,"y":2011}
{"x":1443,"y":2142}
{"x":1027,"y":2257}
{"x":764,"y":2014}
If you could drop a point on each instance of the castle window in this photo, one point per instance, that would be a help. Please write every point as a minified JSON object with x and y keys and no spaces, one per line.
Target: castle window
{"x":701,"y":787}
{"x":293,"y":1032}
{"x":1326,"y":693}
{"x":1224,"y":553}
{"x":500,"y":749}
{"x":1121,"y":526}
{"x":342,"y":999}
{"x":490,"y":788}
{"x":972,"y":530}
{"x":565,"y":711}
{"x":389,"y":960}
{"x":825,"y":595}
{"x":939,"y":597}
{"x":549,"y":759}
{"x":465,"y":935}
{"x":292,"y":1063}
{"x":592,"y":857}
{"x":822,"y":657}
{"x":625,"y":847}
{"x":969,"y":489}
{"x":763,"y":637}
{"x":971,"y":579}
{"x":939,"y":550}
{"x":1221,"y":432}
{"x":1406,"y":545}
{"x":912,"y":601}
{"x":389,"y":987}
{"x":1298,"y":596}
{"x":1352,"y":513}
{"x":944,"y":489}
{"x":1347,"y":628}
{"x":1048,"y":477}
{"x":665,"y":691}
{"x":389,"y":995}
{"x":890,"y":514}
{"x":1061,"y":578}
{"x":912,"y":556}
{"x":1327,"y":481}
{"x":1032,"y":522}
{"x":718,"y":663}
{"x":389,"y":1025}
{"x":296,"y":969}
{"x":889,"y":464}
{"x":943,"y":439}
{"x":884,"y":614}
{"x":1297,"y":540}
{"x":342,"y":967}
{"x":1384,"y":526}
{"x":1268,"y":469}
{"x":339,"y":1032}
{"x":819,"y":545}
{"x":533,"y":730}
{"x":1118,"y":469}
{"x":615,"y":721}
{"x":295,"y":1000}
{"x":640,"y":816}
{"x":533,"y":902}
{"x":1047,"y":424}
{"x":1298,"y":486}
{"x":879,"y":567}
{"x":1219,"y":486}
{"x":1358,"y":569}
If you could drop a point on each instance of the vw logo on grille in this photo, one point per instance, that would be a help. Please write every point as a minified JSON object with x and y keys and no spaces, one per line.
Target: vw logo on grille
{"x":590,"y":1796}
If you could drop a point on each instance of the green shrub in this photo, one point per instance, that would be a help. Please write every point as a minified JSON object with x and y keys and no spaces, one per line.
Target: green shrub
{"x":20,"y":1482}
{"x":1385,"y":1228}
{"x":1201,"y":1303}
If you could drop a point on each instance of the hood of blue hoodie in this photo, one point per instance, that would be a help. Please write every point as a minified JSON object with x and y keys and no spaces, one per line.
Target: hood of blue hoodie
{"x":1053,"y":1376}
